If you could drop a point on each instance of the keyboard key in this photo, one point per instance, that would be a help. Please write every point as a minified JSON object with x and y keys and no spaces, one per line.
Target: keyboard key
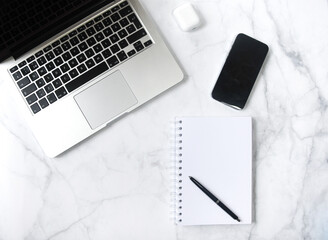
{"x":50,"y":55}
{"x":24,"y":82}
{"x":42,"y":71}
{"x":41,"y":93}
{"x":65,"y":78}
{"x":58,"y":61}
{"x":35,"y":108}
{"x":82,"y":36}
{"x":105,"y":43}
{"x":73,"y":63}
{"x":98,"y":18}
{"x":90,"y":23}
{"x":25,"y":70}
{"x":122,"y":56}
{"x":13,"y":69}
{"x":73,"y":33}
{"x":116,"y":27}
{"x":115,"y":48}
{"x":74,"y":41}
{"x":138,"y":46}
{"x":136,"y":36}
{"x":66,"y":46}
{"x":34,"y":76}
{"x":90,"y":31}
{"x":48,"y":78}
{"x":30,"y":59}
{"x":108,"y":31}
{"x":107,"y":22}
{"x":87,"y":76}
{"x":82,"y":68}
{"x":33,"y":65}
{"x":123,"y":4}
{"x":73,"y":73}
{"x":112,"y":61}
{"x":97,"y":48}
{"x":99,"y":36}
{"x":22,"y":64}
{"x":83,"y":46}
{"x":50,"y":66}
{"x":99,"y":26}
{"x":148,"y":43}
{"x":107,"y":13}
{"x":49,"y":88}
{"x":17,"y":75}
{"x":131,"y":53}
{"x":64,"y":68}
{"x":43,"y":103}
{"x":114,"y":9}
{"x":125,"y":11}
{"x":90,"y":63}
{"x":123,"y":43}
{"x":47,"y":48}
{"x":66,"y":56}
{"x":98,"y":58}
{"x":122,"y":33}
{"x":89,"y":53}
{"x":106,"y":53}
{"x":63,"y":39}
{"x":40,"y":83}
{"x":115,"y":17}
{"x":114,"y":38}
{"x":80,"y":29}
{"x":132,"y":17}
{"x":41,"y":61}
{"x":57,"y":83}
{"x":51,"y":98}
{"x":31,"y":99}
{"x":131,"y":28}
{"x":55,"y":44}
{"x":124,"y":22}
{"x":137,"y":23}
{"x":39,"y":53}
{"x":58,"y":51}
{"x":61,"y":92}
{"x":29,"y":89}
{"x":74,"y":51}
{"x":91,"y":41}
{"x":81,"y":58}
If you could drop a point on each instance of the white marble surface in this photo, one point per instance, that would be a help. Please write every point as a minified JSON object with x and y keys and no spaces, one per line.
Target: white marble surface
{"x":115,"y":185}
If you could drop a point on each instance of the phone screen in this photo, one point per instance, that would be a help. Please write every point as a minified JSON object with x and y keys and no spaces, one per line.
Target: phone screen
{"x":240,"y":71}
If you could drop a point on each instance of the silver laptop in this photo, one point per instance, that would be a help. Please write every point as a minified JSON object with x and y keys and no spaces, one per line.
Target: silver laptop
{"x":103,"y":66}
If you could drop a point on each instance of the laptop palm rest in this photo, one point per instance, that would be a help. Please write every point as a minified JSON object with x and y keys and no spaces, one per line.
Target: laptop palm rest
{"x":105,"y":99}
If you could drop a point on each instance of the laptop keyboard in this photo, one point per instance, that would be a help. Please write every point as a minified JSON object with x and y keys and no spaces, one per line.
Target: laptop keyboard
{"x":68,"y":63}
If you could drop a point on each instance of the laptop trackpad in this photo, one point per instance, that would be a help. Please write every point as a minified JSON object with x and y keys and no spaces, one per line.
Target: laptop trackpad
{"x":106,"y":99}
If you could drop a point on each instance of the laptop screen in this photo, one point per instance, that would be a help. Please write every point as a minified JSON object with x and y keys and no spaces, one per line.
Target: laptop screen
{"x":25,"y":24}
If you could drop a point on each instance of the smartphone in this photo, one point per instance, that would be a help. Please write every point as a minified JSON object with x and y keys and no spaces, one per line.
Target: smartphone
{"x":240,"y":71}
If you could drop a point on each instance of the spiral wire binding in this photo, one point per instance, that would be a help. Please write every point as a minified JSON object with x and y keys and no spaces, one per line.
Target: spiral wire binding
{"x":176,"y":195}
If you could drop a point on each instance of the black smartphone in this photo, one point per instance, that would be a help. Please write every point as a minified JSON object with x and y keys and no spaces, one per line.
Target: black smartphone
{"x":240,"y":71}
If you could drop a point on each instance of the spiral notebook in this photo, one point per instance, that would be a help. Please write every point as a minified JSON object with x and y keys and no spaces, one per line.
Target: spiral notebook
{"x":218,"y":153}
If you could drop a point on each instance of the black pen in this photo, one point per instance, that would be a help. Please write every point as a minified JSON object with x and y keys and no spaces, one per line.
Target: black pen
{"x":215,"y":199}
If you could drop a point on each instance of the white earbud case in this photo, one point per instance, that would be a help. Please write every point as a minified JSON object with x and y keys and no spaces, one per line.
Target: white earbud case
{"x":186,"y":17}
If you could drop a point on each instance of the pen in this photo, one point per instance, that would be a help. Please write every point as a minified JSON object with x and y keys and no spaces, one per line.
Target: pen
{"x":215,"y":199}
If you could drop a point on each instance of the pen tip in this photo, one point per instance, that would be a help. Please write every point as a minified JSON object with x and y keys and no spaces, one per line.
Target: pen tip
{"x":238,"y":219}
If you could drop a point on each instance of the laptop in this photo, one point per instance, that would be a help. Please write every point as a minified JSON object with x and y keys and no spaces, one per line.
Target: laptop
{"x":80,"y":65}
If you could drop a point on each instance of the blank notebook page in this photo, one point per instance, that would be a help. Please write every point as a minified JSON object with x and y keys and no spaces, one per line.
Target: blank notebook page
{"x":218,"y":153}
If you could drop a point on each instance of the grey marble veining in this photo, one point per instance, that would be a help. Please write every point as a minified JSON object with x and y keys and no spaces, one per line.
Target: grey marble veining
{"x":116,"y":184}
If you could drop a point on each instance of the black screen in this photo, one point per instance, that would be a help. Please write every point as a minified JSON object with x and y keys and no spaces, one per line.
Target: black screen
{"x":240,"y":71}
{"x":26,"y":23}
